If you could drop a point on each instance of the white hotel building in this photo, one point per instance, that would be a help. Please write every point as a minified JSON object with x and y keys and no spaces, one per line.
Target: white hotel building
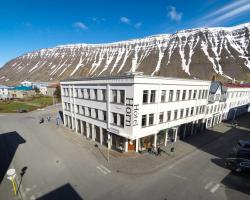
{"x":138,"y":111}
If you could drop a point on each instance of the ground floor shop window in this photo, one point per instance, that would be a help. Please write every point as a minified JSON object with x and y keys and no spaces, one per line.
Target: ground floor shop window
{"x":105,"y":137}
{"x":161,"y":136}
{"x":118,"y":142}
{"x":97,"y":134}
{"x":146,"y":142}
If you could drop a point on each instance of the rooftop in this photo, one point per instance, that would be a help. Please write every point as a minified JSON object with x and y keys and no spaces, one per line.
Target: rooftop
{"x":128,"y":76}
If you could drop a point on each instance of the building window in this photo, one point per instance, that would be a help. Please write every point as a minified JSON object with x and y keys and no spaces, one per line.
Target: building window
{"x":145,"y":96}
{"x":83,"y":110}
{"x":168,"y":115}
{"x":82,"y":91}
{"x":144,"y":120}
{"x":76,"y":93}
{"x":88,"y":93}
{"x":115,"y":118}
{"x":122,"y":96}
{"x":77,"y":108}
{"x":187,"y":112}
{"x":89,"y":110}
{"x":189,"y":94}
{"x":178,"y":95}
{"x":114,"y":96}
{"x":197,"y":110}
{"x":122,"y":120}
{"x":181,"y":113}
{"x":211,"y":109}
{"x":95,"y":94}
{"x":151,"y":119}
{"x":96,"y":114}
{"x":200,"y":93}
{"x":171,"y":95}
{"x":103,"y":94}
{"x":192,"y":111}
{"x":152,"y":96}
{"x":163,"y":95}
{"x":104,"y":115}
{"x":175,"y":114}
{"x":194,"y":94}
{"x":184,"y":95}
{"x":161,"y":115}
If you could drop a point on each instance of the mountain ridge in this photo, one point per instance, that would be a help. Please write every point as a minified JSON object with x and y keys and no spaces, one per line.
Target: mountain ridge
{"x":192,"y":53}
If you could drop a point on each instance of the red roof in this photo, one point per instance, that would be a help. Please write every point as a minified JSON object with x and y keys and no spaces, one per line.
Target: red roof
{"x":237,"y":85}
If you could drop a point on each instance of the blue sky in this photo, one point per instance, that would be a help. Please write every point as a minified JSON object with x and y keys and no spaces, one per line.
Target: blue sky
{"x":29,"y":25}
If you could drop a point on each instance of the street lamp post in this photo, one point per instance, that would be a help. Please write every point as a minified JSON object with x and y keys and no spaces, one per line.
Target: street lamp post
{"x":11,"y":174}
{"x":108,"y":145}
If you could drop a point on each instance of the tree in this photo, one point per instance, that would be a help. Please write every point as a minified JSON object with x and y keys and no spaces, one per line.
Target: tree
{"x":57,"y":93}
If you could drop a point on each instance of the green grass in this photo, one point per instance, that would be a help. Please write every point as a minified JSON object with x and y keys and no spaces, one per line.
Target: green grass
{"x":29,"y":104}
{"x":12,"y":107}
{"x":41,"y":101}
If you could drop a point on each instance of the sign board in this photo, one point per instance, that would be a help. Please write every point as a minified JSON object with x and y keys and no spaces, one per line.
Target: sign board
{"x":112,"y":130}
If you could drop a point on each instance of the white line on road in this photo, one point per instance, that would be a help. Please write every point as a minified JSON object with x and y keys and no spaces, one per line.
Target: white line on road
{"x":178,"y":176}
{"x":106,"y":169}
{"x":215,"y":188}
{"x":208,"y":185}
{"x":102,"y":170}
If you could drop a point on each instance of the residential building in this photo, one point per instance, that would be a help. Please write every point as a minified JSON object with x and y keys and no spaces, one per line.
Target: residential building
{"x":137,"y":111}
{"x":4,"y":92}
{"x":21,"y":92}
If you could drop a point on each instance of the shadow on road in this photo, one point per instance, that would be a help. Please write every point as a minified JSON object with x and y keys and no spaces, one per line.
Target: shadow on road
{"x":221,"y":145}
{"x":64,"y":192}
{"x":9,"y":143}
{"x":234,"y":180}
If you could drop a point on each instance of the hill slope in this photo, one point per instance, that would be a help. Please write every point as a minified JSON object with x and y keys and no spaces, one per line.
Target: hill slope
{"x":194,"y":53}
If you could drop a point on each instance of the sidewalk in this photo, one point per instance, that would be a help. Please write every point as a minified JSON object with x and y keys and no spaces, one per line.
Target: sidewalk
{"x":132,"y":163}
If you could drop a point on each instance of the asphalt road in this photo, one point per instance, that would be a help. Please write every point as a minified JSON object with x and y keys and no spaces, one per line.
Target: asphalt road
{"x":58,"y":169}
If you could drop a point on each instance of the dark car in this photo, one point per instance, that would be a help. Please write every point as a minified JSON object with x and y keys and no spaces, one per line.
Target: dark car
{"x":238,"y":164}
{"x":22,"y":110}
{"x":243,"y":145}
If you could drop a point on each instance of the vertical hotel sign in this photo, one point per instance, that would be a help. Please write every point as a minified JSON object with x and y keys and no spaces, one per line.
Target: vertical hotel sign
{"x":132,"y":112}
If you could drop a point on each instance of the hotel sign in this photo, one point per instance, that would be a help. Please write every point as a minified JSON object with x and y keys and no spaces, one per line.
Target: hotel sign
{"x":132,"y":112}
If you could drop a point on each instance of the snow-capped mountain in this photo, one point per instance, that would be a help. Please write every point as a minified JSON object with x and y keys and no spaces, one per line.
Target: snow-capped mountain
{"x":195,"y":53}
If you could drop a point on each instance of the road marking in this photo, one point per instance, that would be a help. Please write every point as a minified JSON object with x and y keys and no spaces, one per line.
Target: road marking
{"x":208,"y":185}
{"x":103,"y":169}
{"x":178,"y":176}
{"x":104,"y":172}
{"x":27,"y":189}
{"x":33,"y":197}
{"x":213,"y":190}
{"x":106,"y":169}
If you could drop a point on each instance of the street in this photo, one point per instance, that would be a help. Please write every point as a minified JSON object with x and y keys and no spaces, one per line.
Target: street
{"x":60,"y":168}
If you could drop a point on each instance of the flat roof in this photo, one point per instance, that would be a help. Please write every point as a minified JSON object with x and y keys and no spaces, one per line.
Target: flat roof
{"x":131,"y":76}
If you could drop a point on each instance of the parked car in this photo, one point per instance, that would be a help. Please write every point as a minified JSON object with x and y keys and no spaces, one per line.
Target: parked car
{"x":238,"y":164}
{"x":243,"y":145}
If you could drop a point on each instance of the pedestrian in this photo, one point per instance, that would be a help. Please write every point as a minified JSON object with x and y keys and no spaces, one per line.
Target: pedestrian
{"x":159,"y":151}
{"x":48,"y":118}
{"x":57,"y":122}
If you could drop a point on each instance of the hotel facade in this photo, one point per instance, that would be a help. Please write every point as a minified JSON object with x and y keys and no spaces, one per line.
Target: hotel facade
{"x":135,"y":112}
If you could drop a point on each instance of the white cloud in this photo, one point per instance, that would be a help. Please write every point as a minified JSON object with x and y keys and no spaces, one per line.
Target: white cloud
{"x":98,"y":20}
{"x":125,"y":20}
{"x":138,"y":25}
{"x":226,"y":13}
{"x":226,"y":8}
{"x":80,"y":25}
{"x":173,"y":14}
